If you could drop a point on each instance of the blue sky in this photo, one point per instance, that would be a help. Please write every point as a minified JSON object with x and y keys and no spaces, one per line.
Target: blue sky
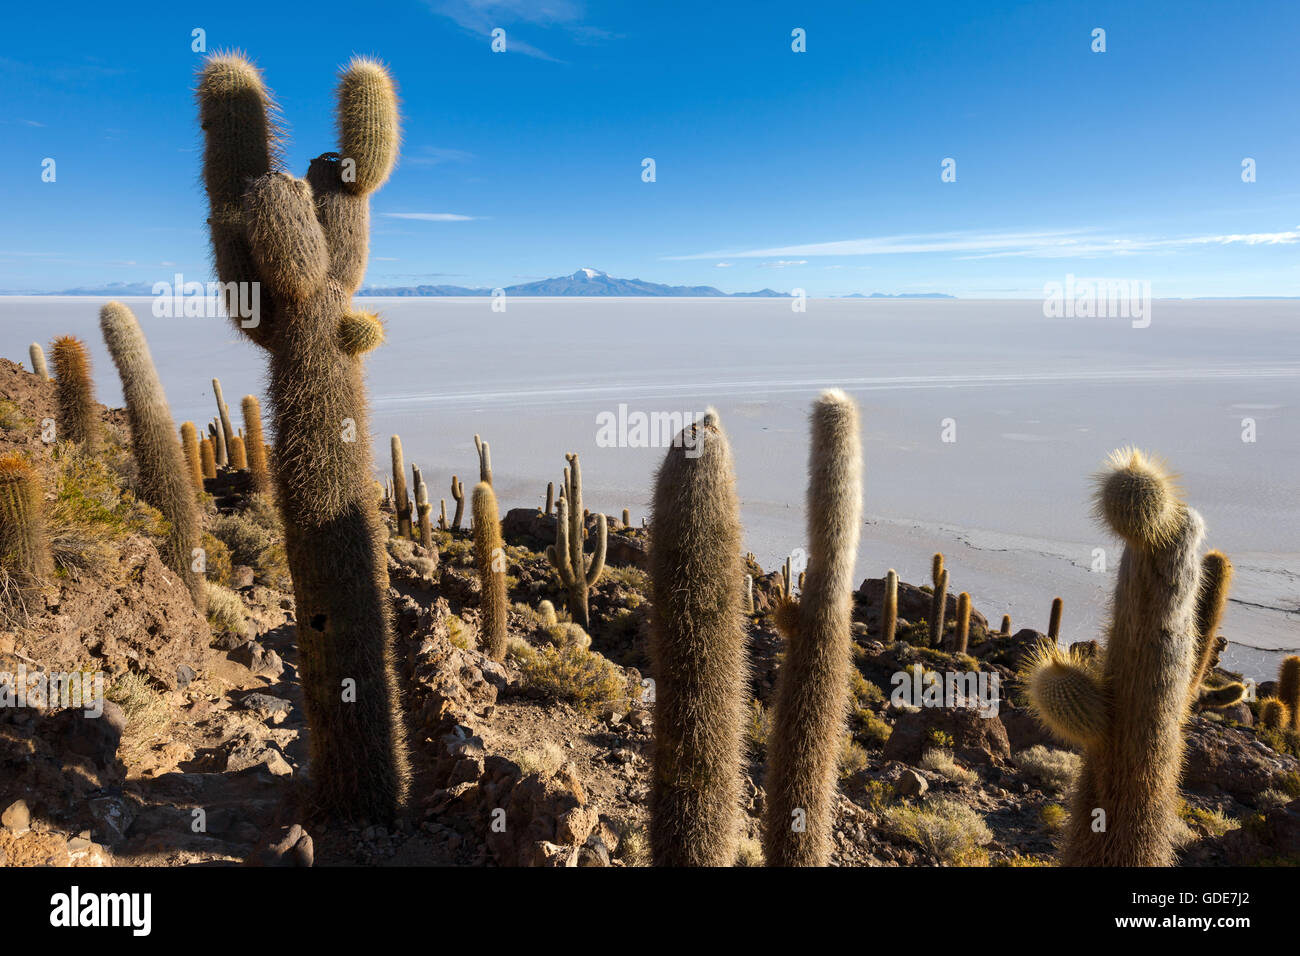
{"x":818,"y":170}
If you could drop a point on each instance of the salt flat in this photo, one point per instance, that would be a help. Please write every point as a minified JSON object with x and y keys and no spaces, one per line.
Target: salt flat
{"x":1036,"y":404}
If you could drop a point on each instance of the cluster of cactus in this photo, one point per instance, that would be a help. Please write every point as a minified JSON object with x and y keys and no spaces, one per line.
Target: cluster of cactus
{"x":303,"y":243}
{"x":165,"y":479}
{"x":577,"y":573}
{"x":1282,"y":712}
{"x":78,"y":419}
{"x":1126,"y":710}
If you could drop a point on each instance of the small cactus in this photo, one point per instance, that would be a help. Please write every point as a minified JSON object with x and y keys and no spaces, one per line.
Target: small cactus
{"x":78,"y":419}
{"x":208,"y":458}
{"x":489,"y":555}
{"x":223,"y":414}
{"x":193,"y":463}
{"x":577,"y":573}
{"x":812,"y":687}
{"x":1006,"y":626}
{"x":749,"y":594}
{"x":1288,"y":689}
{"x":219,"y":445}
{"x":1216,"y":577}
{"x":550,"y":498}
{"x":442,"y":516}
{"x":627,"y":518}
{"x":163,"y":478}
{"x":484,"y":460}
{"x":24,"y":545}
{"x":238,"y":456}
{"x":889,"y":613}
{"x":458,"y":496}
{"x":961,"y":637}
{"x":1054,"y":621}
{"x":255,"y":445}
{"x":938,"y":602}
{"x":1273,"y":714}
{"x":698,"y":651}
{"x":401,"y":498}
{"x":424,"y":508}
{"x":39,"y":368}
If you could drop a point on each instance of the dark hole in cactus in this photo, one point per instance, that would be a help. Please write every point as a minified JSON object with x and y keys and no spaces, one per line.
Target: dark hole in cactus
{"x":318,"y":623}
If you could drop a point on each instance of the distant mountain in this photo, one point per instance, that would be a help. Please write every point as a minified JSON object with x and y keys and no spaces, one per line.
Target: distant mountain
{"x":112,"y":289}
{"x":900,"y":295}
{"x":584,"y":282}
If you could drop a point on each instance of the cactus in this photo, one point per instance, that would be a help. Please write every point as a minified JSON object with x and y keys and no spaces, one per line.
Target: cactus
{"x":1054,"y":621}
{"x":961,"y":636}
{"x":458,"y":495}
{"x":787,"y":581}
{"x":193,"y":463}
{"x":304,"y":241}
{"x":889,"y":613}
{"x":208,"y":458}
{"x":78,"y":419}
{"x":489,"y":555}
{"x":238,"y":456}
{"x":24,"y":545}
{"x":1216,"y":576}
{"x":223,"y":415}
{"x":938,"y":601}
{"x":255,"y":445}
{"x":550,"y":497}
{"x":1005,"y":631}
{"x":401,"y":499}
{"x":39,"y":368}
{"x":442,"y":516}
{"x":1288,"y":689}
{"x":697,"y":647}
{"x":164,"y":480}
{"x":577,"y":574}
{"x":1128,"y":716}
{"x":627,"y":518}
{"x":424,"y":508}
{"x":812,"y":687}
{"x":1273,"y":714}
{"x":484,"y":460}
{"x":219,"y":443}
{"x":749,"y":594}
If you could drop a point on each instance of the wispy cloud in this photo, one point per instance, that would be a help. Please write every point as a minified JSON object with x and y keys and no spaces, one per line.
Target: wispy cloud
{"x":481,"y":17}
{"x":430,"y":216}
{"x":785,"y":263}
{"x":971,"y":245}
{"x":435,"y":155}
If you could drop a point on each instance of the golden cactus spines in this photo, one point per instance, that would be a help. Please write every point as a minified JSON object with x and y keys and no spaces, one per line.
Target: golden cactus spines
{"x":238,"y":455}
{"x":304,"y":241}
{"x":255,"y":445}
{"x":193,"y":463}
{"x":1273,"y":714}
{"x":78,"y":418}
{"x":24,"y":545}
{"x":961,"y":636}
{"x":163,"y":477}
{"x":939,"y":605}
{"x":697,"y":647}
{"x":889,"y":613}
{"x":208,"y":458}
{"x":1005,"y":630}
{"x":1288,"y":689}
{"x":812,"y":687}
{"x":1054,"y":619}
{"x":37,"y":355}
{"x":1131,"y":768}
{"x":490,"y":556}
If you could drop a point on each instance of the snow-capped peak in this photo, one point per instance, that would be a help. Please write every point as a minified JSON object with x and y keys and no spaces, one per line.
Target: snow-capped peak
{"x":589,"y":273}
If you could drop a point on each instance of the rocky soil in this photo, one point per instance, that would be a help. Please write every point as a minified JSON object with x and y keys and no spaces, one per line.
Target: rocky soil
{"x":200,"y":756}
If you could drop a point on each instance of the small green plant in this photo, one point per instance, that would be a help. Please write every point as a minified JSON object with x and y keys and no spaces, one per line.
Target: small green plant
{"x":1053,"y":816}
{"x":1049,"y":767}
{"x":942,"y":763}
{"x":226,"y":611}
{"x":583,"y":678}
{"x":943,"y":827}
{"x":939,"y":738}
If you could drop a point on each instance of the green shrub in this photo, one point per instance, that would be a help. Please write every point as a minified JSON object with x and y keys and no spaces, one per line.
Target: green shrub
{"x":945,"y":828}
{"x":1049,"y":767}
{"x":571,"y":673}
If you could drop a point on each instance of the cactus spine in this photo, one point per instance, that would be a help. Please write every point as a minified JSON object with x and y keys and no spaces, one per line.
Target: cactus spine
{"x":24,"y":545}
{"x":39,"y":368}
{"x":255,"y":445}
{"x":961,"y":637}
{"x":1054,"y":622}
{"x":889,"y":613}
{"x":490,"y":556}
{"x":305,"y":242}
{"x":1128,"y":717}
{"x":190,"y":446}
{"x":698,"y":649}
{"x":164,"y":478}
{"x":400,"y":497}
{"x":78,"y":420}
{"x":238,"y":455}
{"x":458,"y":495}
{"x":1273,"y":714}
{"x":577,"y":573}
{"x":1288,"y":689}
{"x":207,"y":458}
{"x":812,"y":688}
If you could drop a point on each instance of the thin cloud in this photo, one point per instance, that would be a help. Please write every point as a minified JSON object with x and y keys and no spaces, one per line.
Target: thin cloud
{"x":481,"y":17}
{"x":784,"y":263}
{"x":430,"y":216}
{"x":436,"y":155}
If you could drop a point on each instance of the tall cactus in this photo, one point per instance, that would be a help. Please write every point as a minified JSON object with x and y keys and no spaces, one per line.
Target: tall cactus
{"x":223,"y":415}
{"x":255,"y":445}
{"x":1216,"y":577}
{"x":426,"y":522}
{"x":938,"y":600}
{"x":577,"y":573}
{"x":550,"y":497}
{"x":24,"y":545}
{"x":1288,"y":689}
{"x":401,"y":499}
{"x":697,"y":647}
{"x":238,"y":454}
{"x":889,"y":613}
{"x":1128,"y":716}
{"x":1054,"y":620}
{"x":219,"y":445}
{"x":304,"y":241}
{"x":1005,"y":630}
{"x":193,"y":462}
{"x":484,"y":460}
{"x":812,"y":689}
{"x":164,"y":478}
{"x":490,"y":556}
{"x":37,"y":355}
{"x":458,"y":495}
{"x":78,"y":420}
{"x":208,"y":458}
{"x":961,"y":636}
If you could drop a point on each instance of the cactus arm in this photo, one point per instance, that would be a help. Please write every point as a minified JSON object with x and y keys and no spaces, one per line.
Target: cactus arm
{"x":598,"y":557}
{"x":558,"y":553}
{"x":368,"y":125}
{"x":1066,"y":695}
{"x":360,"y":332}
{"x":1216,"y":698}
{"x":286,"y":240}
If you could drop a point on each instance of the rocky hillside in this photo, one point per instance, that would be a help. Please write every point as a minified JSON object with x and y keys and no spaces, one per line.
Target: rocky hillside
{"x":200,"y":755}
